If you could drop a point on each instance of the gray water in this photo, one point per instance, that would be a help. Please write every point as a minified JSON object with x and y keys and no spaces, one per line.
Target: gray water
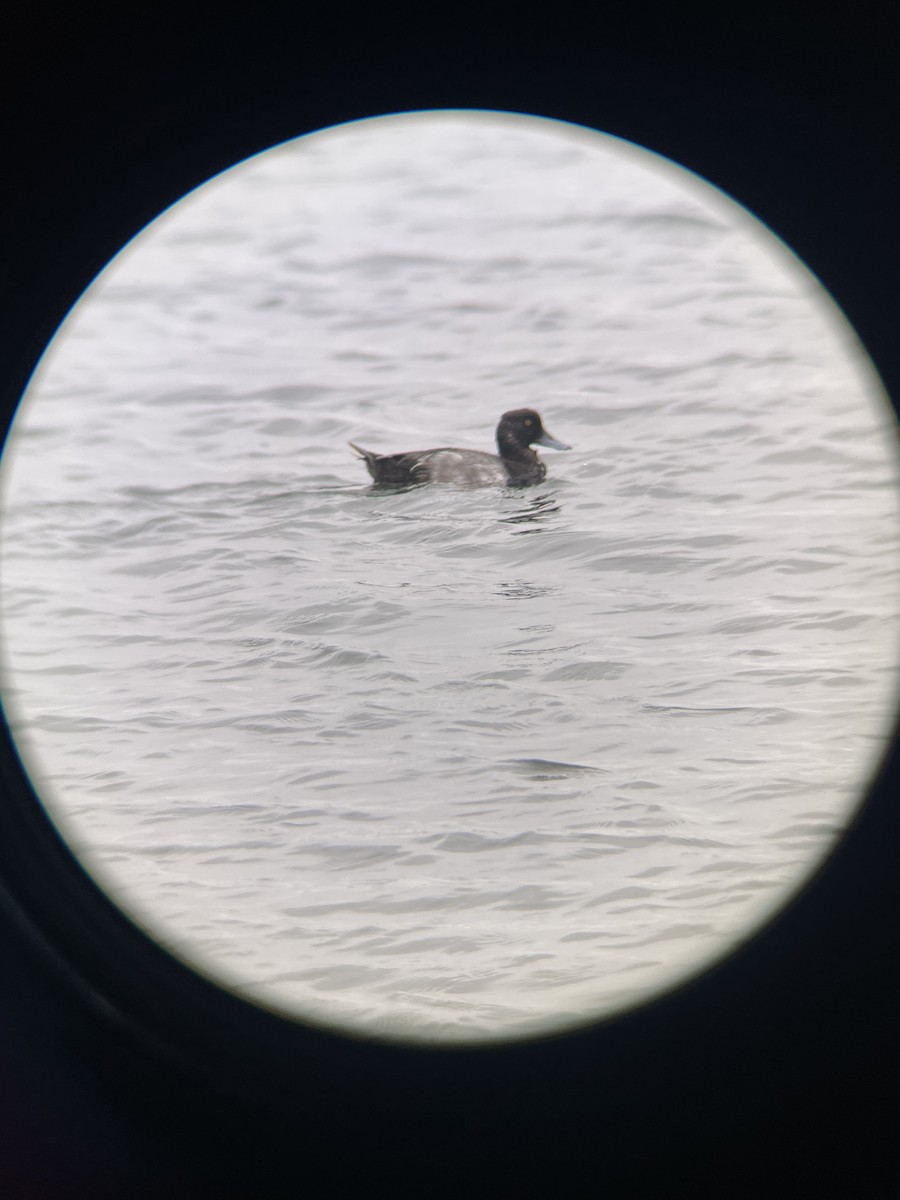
{"x":451,"y":764}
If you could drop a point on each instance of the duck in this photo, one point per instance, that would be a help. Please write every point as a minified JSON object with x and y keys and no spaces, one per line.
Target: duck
{"x":517,"y":465}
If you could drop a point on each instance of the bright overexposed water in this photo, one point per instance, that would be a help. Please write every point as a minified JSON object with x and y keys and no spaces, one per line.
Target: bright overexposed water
{"x":438,"y":763}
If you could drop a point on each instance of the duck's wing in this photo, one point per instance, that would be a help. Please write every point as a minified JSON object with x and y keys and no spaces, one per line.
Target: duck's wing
{"x":467,"y":468}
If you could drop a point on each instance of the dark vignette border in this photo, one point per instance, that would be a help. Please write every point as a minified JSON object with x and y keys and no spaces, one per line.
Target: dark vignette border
{"x":122,"y":1073}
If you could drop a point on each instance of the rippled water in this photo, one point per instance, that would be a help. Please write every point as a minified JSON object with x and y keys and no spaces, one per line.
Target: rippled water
{"x":448,"y":763}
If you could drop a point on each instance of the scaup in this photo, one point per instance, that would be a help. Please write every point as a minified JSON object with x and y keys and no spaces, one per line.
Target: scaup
{"x":517,"y":465}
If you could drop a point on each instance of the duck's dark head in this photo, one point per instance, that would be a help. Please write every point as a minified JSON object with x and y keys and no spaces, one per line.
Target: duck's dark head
{"x":521,"y":428}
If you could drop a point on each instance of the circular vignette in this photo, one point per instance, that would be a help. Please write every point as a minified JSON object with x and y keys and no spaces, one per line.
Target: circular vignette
{"x":84,"y":925}
{"x":720,"y":1014}
{"x":366,"y":138}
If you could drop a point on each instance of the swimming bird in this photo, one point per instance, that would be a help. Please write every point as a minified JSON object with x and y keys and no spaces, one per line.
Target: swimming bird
{"x":516,"y":466}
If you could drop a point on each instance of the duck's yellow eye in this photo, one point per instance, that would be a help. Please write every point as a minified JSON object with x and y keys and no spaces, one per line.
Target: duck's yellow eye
{"x":528,"y":420}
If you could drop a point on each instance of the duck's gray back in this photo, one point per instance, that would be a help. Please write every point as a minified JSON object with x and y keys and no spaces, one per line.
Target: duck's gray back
{"x":471,"y":468}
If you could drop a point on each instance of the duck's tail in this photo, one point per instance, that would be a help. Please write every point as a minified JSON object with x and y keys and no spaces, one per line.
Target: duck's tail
{"x":368,"y":457}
